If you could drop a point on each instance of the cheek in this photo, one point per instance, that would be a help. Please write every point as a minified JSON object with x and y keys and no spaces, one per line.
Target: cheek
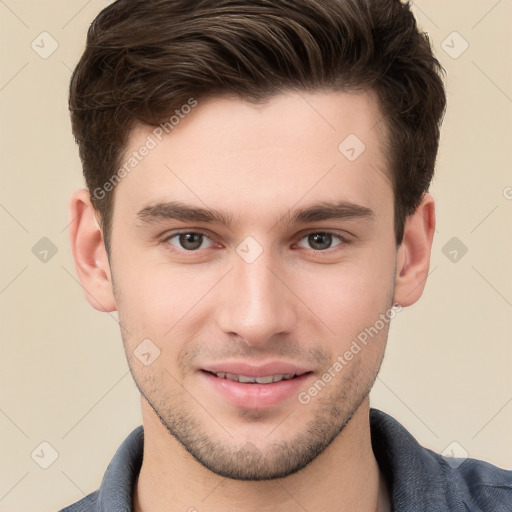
{"x":349,"y":297}
{"x":161,"y":301}
{"x":145,"y":295}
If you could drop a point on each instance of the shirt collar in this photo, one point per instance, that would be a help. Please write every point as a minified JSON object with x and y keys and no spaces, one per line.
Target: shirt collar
{"x":411,"y":471}
{"x":117,"y":486}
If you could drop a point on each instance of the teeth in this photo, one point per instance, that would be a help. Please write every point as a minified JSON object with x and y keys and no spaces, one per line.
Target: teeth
{"x":265,"y":380}
{"x":259,"y":380}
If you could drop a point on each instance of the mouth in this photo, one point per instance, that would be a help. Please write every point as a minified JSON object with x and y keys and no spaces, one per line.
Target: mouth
{"x":246,"y":379}
{"x":264,"y":391}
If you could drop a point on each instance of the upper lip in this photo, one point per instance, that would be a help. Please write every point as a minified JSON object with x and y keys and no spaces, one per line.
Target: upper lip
{"x":251,"y":370}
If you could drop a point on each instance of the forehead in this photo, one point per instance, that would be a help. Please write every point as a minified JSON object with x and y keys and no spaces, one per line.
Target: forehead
{"x":226,"y":152}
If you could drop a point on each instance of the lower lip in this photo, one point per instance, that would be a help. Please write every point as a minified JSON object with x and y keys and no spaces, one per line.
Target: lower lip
{"x":254,"y":395}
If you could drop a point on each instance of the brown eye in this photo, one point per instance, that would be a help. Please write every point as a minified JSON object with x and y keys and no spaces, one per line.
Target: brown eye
{"x":320,"y":241}
{"x":189,"y":241}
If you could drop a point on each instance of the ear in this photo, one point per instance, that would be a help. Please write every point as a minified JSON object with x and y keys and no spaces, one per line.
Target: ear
{"x":413,"y":258}
{"x":89,"y":253}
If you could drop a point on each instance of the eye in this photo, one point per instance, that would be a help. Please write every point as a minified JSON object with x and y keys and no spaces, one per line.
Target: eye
{"x":320,"y":241}
{"x":190,"y":241}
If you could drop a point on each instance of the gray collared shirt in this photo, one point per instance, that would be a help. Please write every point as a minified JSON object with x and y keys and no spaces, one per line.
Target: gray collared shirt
{"x":419,"y":479}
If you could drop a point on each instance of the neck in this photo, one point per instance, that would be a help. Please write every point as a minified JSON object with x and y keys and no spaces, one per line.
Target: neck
{"x":344,"y":477}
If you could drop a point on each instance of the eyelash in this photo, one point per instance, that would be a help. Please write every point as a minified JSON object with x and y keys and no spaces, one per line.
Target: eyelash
{"x":185,"y":232}
{"x":342,"y":240}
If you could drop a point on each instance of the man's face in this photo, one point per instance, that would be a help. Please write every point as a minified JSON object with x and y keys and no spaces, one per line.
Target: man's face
{"x":305,"y":264}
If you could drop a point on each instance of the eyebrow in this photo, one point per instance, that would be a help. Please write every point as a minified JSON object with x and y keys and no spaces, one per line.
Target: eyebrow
{"x":175,"y":210}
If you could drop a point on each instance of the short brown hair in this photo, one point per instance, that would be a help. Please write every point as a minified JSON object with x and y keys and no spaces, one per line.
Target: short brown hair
{"x":146,"y":58}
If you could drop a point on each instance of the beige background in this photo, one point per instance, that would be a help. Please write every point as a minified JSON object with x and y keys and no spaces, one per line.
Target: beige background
{"x":64,"y":378}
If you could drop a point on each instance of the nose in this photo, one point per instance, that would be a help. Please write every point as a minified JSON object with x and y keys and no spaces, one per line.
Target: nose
{"x":256,"y":303}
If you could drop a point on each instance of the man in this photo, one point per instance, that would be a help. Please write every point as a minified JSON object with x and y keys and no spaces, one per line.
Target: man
{"x":257,"y":210}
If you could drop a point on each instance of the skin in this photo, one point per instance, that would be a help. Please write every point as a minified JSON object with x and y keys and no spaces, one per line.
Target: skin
{"x":300,"y":301}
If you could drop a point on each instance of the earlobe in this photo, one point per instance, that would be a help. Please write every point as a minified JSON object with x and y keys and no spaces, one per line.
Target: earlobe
{"x":88,"y":247}
{"x":413,"y":257}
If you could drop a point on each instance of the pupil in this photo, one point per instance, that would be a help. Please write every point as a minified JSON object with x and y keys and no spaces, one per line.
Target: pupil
{"x":191,"y":241}
{"x":320,"y":241}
